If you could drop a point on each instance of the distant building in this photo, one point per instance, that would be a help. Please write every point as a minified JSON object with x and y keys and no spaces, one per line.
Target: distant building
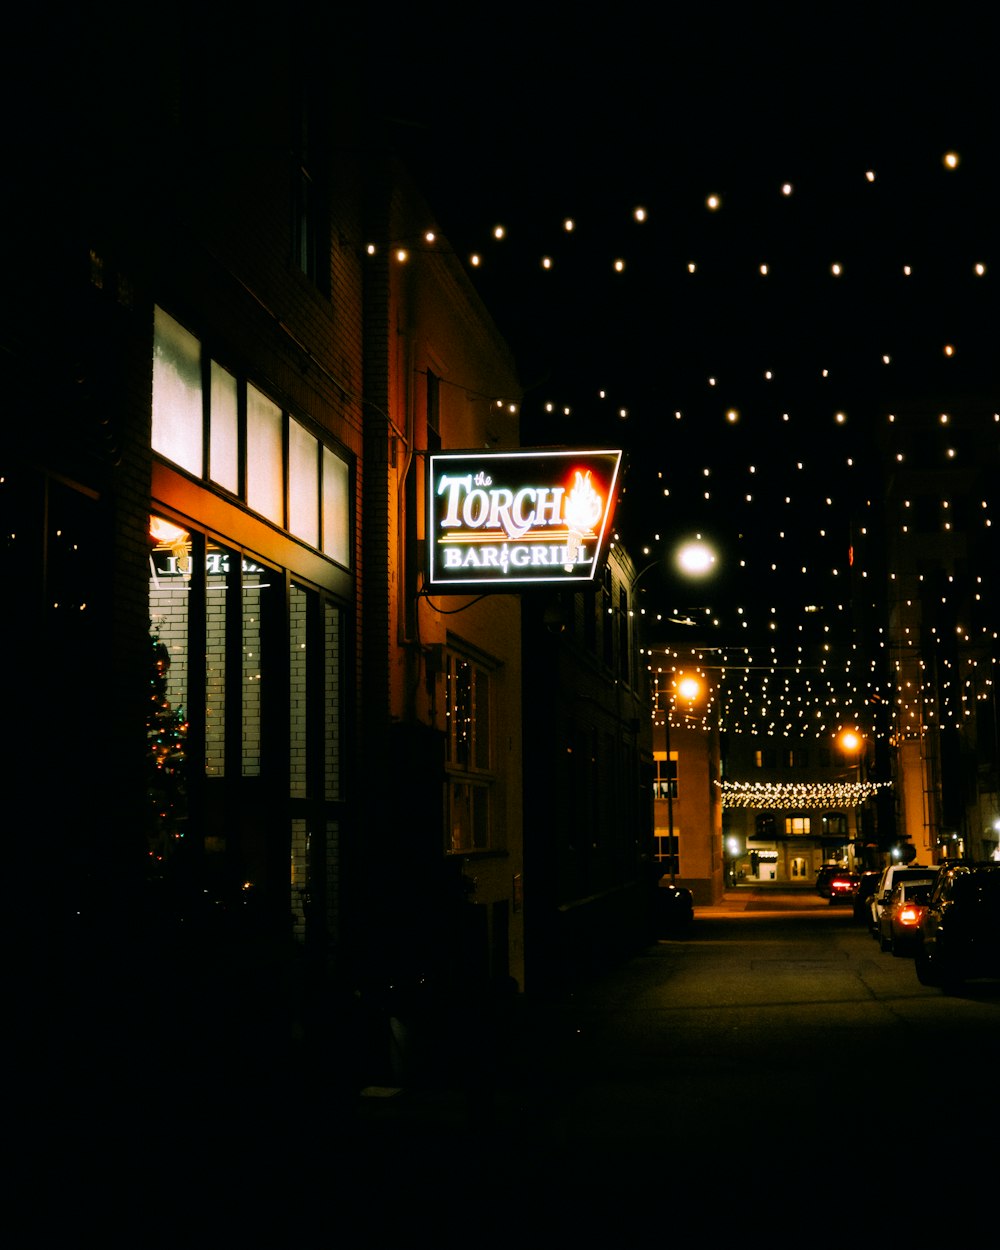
{"x":792,"y":805}
{"x":942,"y":460}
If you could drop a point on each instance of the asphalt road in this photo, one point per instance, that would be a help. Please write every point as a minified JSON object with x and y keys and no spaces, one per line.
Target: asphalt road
{"x":772,"y":1073}
{"x":773,"y":1054}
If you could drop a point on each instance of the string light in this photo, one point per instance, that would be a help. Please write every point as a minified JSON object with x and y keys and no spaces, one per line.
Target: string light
{"x":924,"y":682}
{"x":792,"y":796}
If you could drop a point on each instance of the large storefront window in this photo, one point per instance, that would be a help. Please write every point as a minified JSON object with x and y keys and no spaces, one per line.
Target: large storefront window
{"x":246,"y":741}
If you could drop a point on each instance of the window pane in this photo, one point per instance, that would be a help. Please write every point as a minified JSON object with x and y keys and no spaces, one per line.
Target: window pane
{"x":480,"y":818}
{"x":332,"y":659}
{"x":224,"y":450}
{"x":297,"y":606}
{"x":300,"y":877}
{"x":177,"y":397}
{"x":461,"y":817}
{"x":303,"y":484}
{"x":218,"y":563}
{"x":459,"y":712}
{"x":169,"y":579}
{"x":336,"y":509}
{"x":265,"y":477}
{"x":255,"y":579}
{"x":482,"y":719}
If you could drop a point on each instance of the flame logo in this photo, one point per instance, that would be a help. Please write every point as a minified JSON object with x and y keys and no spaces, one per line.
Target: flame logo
{"x":584,"y":506}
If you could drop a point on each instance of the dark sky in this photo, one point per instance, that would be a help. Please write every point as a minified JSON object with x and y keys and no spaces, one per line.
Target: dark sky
{"x":528,"y":118}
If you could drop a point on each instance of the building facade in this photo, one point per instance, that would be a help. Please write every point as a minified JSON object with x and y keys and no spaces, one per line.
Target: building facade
{"x":793,"y":805}
{"x":589,"y":776}
{"x":275,"y":778}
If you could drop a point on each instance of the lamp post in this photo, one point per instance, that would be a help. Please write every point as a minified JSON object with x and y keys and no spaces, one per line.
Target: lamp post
{"x":689,"y":688}
{"x":693,"y":559}
{"x":852,"y":744}
{"x":670,"y":798}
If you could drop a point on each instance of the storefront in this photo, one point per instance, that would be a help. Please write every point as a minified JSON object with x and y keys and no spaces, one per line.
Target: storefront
{"x":249,"y":596}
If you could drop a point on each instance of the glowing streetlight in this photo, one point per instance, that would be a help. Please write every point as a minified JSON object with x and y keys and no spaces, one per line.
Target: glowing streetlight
{"x":852,"y":744}
{"x":850,"y":741}
{"x":695,"y":558}
{"x":689,"y":688}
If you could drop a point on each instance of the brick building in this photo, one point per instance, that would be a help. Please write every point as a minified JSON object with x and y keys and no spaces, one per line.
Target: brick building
{"x":235,"y":760}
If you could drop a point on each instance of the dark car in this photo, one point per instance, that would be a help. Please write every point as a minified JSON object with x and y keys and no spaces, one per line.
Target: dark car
{"x":843,"y":887}
{"x":863,"y":895}
{"x":674,"y":908}
{"x":824,"y":877}
{"x":960,"y":934}
{"x":899,"y":924}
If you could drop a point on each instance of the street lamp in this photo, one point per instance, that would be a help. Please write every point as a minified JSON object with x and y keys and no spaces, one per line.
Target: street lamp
{"x":693,"y":559}
{"x":853,"y":744}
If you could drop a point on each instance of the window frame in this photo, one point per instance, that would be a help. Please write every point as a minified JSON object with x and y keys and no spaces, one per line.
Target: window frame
{"x":331,"y":542}
{"x":469,"y":775}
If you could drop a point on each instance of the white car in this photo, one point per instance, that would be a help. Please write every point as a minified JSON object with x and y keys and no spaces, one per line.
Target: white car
{"x":892,"y":874}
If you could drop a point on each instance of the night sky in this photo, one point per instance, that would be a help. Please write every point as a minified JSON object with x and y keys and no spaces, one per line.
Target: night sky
{"x":753,"y":407}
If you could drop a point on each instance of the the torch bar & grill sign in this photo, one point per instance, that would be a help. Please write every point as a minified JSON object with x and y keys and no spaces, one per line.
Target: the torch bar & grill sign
{"x":502,"y":519}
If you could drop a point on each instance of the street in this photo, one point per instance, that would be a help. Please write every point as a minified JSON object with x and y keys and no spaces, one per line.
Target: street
{"x":769,"y":1062}
{"x":776,"y":1049}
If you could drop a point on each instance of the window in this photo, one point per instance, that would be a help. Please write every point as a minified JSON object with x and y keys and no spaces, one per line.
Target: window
{"x":666,"y":776}
{"x":664,"y":833}
{"x":469,"y":698}
{"x":265,"y":487}
{"x":667,"y":851}
{"x":283,"y":472}
{"x":177,"y":395}
{"x":798,"y":826}
{"x":767,"y":757}
{"x":835,"y":825}
{"x":245,"y":724}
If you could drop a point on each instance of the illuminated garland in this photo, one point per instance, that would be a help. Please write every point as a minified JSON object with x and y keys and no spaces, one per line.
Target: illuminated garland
{"x":921,"y":679}
{"x":794,"y":796}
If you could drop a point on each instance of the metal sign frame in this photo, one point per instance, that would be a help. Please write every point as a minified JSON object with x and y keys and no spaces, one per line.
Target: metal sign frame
{"x":506,"y":520}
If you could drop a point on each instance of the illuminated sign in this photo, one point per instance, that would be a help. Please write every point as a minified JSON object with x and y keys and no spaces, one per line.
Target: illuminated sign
{"x":499,"y":519}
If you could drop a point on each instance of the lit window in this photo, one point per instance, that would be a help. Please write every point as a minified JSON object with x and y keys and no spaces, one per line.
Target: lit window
{"x":306,"y":488}
{"x":469,"y":698}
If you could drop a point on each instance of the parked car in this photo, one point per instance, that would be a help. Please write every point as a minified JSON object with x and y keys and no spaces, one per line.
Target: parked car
{"x":863,"y":895}
{"x":892,"y":874}
{"x":825,"y":876}
{"x":674,"y":908}
{"x":843,"y":887}
{"x":899,"y":927}
{"x":960,"y":934}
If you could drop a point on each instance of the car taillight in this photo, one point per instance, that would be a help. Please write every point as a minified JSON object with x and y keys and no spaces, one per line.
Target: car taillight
{"x":909,"y":915}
